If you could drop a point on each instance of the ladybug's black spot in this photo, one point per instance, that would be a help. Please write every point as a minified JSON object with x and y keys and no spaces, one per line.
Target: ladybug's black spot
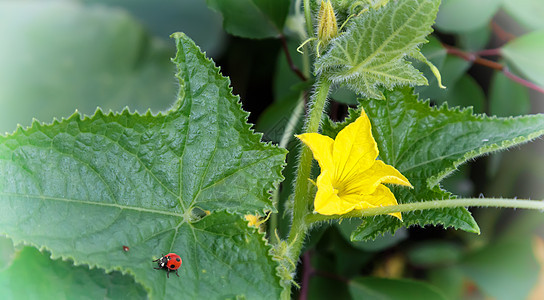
{"x":177,"y":259}
{"x":172,"y":266}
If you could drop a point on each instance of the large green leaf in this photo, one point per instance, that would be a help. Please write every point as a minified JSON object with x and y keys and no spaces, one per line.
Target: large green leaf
{"x":162,"y":17}
{"x":507,"y":97}
{"x":434,"y":253}
{"x":34,"y":276}
{"x":465,"y":15}
{"x":426,"y":144}
{"x":527,"y":12}
{"x":373,"y":50}
{"x":57,"y":56}
{"x":504,"y":270}
{"x":525,"y":53}
{"x":84,"y":186}
{"x":252,"y":18}
{"x":466,"y":93}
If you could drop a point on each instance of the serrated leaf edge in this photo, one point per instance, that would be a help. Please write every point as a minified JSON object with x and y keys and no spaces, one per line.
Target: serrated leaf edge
{"x":182,"y":38}
{"x":36,"y":125}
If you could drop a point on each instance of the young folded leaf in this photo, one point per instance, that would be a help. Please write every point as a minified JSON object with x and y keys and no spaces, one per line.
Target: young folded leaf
{"x":373,"y":50}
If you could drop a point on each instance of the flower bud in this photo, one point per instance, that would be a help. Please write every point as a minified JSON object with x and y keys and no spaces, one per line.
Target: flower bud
{"x":327,"y":28}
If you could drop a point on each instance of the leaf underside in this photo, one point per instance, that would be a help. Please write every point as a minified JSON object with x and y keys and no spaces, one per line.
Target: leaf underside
{"x":426,"y":144}
{"x":83,"y":187}
{"x":373,"y":50}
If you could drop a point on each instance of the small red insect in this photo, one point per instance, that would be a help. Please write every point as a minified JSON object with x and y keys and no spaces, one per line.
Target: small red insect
{"x":170,"y":262}
{"x":125,"y":248}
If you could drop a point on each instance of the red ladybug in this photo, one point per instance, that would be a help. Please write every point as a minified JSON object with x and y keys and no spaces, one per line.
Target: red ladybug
{"x":170,"y":262}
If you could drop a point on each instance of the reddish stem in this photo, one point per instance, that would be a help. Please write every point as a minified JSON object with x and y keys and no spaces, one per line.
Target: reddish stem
{"x":292,"y":65}
{"x":474,"y":58}
{"x":489,"y":52}
{"x":522,"y":81}
{"x":307,"y":273}
{"x":501,"y":33}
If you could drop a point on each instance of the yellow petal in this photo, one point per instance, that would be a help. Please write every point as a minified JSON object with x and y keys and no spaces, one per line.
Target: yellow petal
{"x":252,"y":220}
{"x":321,"y":147}
{"x":354,"y":148}
{"x":366,"y":182}
{"x":381,"y":197}
{"x":327,"y":201}
{"x":388,"y":174}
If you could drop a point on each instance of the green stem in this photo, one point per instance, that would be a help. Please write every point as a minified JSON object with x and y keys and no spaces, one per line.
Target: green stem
{"x":434,"y":204}
{"x":299,"y":228}
{"x":308,"y":17}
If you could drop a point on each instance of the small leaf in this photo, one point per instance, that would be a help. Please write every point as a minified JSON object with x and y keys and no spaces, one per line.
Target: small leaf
{"x":466,"y":93}
{"x":476,"y":39}
{"x":525,"y":53}
{"x":84,"y":187}
{"x":252,"y":18}
{"x":392,"y":289}
{"x":33,"y":275}
{"x":434,"y":253}
{"x":450,"y":280}
{"x":426,"y":144}
{"x":465,"y":15}
{"x":508,"y":98}
{"x":372,"y":52}
{"x":504,"y":270}
{"x":526,"y":12}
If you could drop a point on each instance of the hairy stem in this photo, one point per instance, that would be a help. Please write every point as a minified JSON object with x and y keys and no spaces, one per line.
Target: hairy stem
{"x":434,"y":204}
{"x":301,"y":200}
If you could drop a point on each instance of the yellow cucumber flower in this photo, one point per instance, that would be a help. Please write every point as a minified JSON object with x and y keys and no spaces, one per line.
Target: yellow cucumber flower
{"x":257,"y":221}
{"x":253,"y":220}
{"x":351,"y":178}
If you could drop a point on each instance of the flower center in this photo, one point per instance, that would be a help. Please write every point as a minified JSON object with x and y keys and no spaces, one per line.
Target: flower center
{"x":338,"y":188}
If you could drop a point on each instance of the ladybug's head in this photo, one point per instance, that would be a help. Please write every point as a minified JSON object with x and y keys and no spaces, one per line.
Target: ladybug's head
{"x":163,"y":261}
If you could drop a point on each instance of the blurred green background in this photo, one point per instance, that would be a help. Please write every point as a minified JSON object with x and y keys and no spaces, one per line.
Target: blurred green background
{"x":59,"y":56}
